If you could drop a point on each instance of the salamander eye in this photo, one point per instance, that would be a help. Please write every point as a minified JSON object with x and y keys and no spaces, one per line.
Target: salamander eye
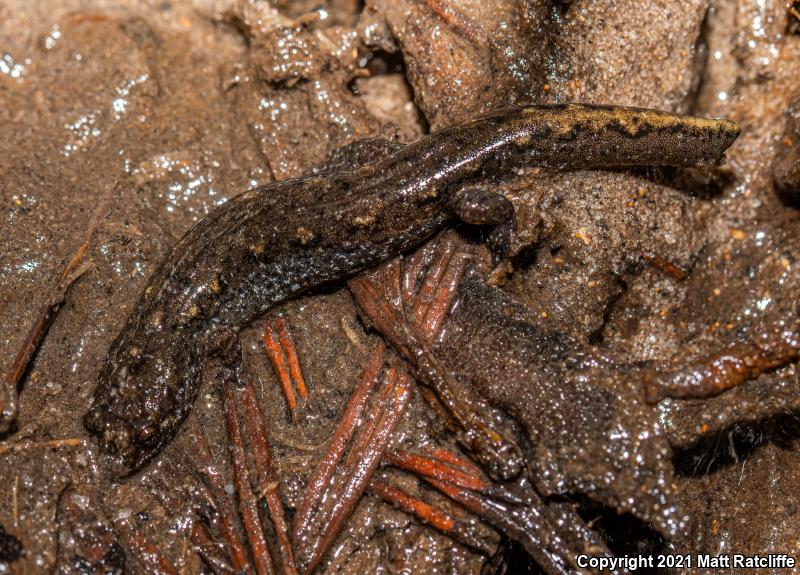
{"x":135,"y":359}
{"x":147,"y":434}
{"x":480,"y":206}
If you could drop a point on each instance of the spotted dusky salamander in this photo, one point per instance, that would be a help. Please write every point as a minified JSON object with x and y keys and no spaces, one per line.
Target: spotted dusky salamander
{"x":277,"y":240}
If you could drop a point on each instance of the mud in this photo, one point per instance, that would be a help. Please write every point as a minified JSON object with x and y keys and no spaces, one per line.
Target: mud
{"x":173,"y":107}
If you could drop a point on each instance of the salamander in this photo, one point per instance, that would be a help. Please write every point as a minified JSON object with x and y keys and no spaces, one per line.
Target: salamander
{"x":275,"y":241}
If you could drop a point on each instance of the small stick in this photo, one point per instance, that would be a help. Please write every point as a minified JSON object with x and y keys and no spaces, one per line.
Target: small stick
{"x":289,"y":350}
{"x":430,"y":467}
{"x":267,"y":481}
{"x":460,"y":23}
{"x":737,"y":363}
{"x":208,"y":550}
{"x":462,"y":530}
{"x":275,"y":354}
{"x":435,"y":468}
{"x":427,"y":513}
{"x":347,"y":425}
{"x":496,"y":450}
{"x":455,"y":460}
{"x":248,"y":508}
{"x":9,"y":388}
{"x":413,"y":268}
{"x":367,"y":431}
{"x":526,"y":525}
{"x":352,"y":479}
{"x":199,"y":535}
{"x":438,"y":268}
{"x":379,"y":312}
{"x":439,"y":306}
{"x":224,"y":510}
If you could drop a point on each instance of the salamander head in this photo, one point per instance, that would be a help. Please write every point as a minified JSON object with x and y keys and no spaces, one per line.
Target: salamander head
{"x":140,"y":400}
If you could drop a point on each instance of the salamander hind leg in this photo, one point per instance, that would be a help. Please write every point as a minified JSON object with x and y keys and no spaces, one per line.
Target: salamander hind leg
{"x":476,"y":205}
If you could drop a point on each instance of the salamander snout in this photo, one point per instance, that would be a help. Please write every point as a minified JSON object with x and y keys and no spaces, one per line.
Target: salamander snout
{"x":135,"y":413}
{"x":126,"y":430}
{"x":129,"y":444}
{"x":116,"y":437}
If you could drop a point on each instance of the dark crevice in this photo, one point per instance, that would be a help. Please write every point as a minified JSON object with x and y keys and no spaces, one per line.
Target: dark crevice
{"x":734,"y":444}
{"x":793,"y":25}
{"x":699,"y":64}
{"x":596,"y":337}
{"x":378,"y":63}
{"x":381,"y":62}
{"x":624,"y":534}
{"x":703,"y":182}
{"x":10,"y":547}
{"x":561,"y":7}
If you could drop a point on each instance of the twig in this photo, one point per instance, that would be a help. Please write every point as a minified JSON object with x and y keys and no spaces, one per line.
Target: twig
{"x":438,"y":268}
{"x":9,"y":389}
{"x":275,"y":354}
{"x":431,"y":467}
{"x":494,"y":448}
{"x":248,"y":508}
{"x":208,"y":550}
{"x":15,"y":497}
{"x":223,"y":506}
{"x":347,"y":425}
{"x":150,"y":556}
{"x":267,"y":481}
{"x":336,"y":504}
{"x":735,"y":364}
{"x":460,"y":525}
{"x":289,"y":350}
{"x":460,"y":23}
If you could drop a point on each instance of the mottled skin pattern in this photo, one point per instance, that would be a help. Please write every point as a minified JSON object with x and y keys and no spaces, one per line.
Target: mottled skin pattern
{"x":587,"y":426}
{"x":275,"y":241}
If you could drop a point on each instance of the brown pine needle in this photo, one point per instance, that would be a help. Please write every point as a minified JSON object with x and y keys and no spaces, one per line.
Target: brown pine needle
{"x":9,"y":386}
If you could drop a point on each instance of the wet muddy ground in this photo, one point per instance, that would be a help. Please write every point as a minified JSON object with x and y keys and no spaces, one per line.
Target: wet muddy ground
{"x":165,"y":109}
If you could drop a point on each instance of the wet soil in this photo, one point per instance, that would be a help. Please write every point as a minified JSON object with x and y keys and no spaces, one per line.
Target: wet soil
{"x":170,"y":108}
